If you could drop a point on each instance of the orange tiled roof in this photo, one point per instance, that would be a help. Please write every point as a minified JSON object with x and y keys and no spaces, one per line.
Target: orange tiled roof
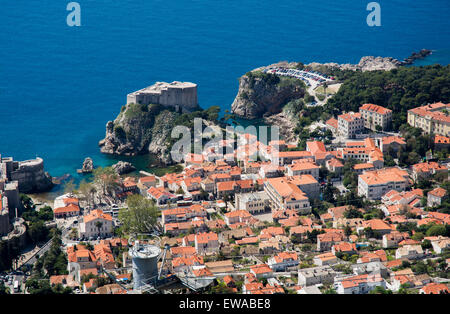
{"x":363,"y":166}
{"x":428,"y":166}
{"x":97,"y":214}
{"x":375,"y":108}
{"x":70,"y":200}
{"x":285,"y":256}
{"x":202,"y":272}
{"x":332,"y":122}
{"x":350,"y":116}
{"x":147,"y":179}
{"x":68,"y":209}
{"x":435,"y":288}
{"x":357,"y":280}
{"x":335,"y":163}
{"x":261,"y":269}
{"x":384,"y":176}
{"x":377,"y":224}
{"x":206,"y":237}
{"x":345,"y":247}
{"x":439,"y":192}
{"x":299,"y":166}
{"x":187,"y":261}
{"x":316,"y":146}
{"x":393,"y":139}
{"x":433,"y":111}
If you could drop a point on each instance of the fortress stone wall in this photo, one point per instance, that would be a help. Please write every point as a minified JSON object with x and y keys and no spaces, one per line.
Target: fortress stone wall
{"x":4,"y":216}
{"x":176,"y":94}
{"x":29,"y":174}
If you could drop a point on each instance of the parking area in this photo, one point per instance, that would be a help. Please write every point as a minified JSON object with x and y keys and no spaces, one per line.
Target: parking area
{"x":311,"y":78}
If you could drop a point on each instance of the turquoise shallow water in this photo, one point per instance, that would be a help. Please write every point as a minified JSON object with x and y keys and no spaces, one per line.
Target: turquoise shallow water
{"x":60,"y":85}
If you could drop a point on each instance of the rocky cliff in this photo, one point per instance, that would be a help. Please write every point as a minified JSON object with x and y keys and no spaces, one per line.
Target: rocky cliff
{"x":140,"y":129}
{"x":262,"y":94}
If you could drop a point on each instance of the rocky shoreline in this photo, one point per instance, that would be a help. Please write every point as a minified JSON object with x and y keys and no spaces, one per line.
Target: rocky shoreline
{"x":422,"y":54}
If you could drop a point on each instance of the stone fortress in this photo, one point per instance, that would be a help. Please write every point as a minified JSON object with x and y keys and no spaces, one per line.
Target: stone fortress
{"x":29,"y":174}
{"x":19,"y":177}
{"x":181,"y":95}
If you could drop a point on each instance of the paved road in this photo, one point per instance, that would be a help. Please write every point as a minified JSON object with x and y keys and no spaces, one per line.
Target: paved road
{"x":21,"y":279}
{"x":44,"y":249}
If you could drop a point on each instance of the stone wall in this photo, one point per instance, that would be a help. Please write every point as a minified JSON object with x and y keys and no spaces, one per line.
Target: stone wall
{"x":11,"y":191}
{"x":4,"y":216}
{"x":31,"y":176}
{"x":176,"y":94}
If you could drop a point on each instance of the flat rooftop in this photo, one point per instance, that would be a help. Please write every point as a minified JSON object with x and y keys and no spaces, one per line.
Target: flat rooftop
{"x":161,"y":86}
{"x":255,"y":196}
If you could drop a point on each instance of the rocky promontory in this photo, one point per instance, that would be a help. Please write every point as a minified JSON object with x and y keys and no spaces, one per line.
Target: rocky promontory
{"x":264,"y":94}
{"x":275,"y":98}
{"x":417,"y":56}
{"x":142,"y":129}
{"x":139,"y":129}
{"x":368,"y":63}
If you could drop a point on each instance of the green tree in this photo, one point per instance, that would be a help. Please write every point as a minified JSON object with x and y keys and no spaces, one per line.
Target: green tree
{"x":140,"y":216}
{"x":426,"y":244}
{"x":87,"y":191}
{"x":59,"y":289}
{"x":369,"y":233}
{"x":353,"y":213}
{"x":38,"y":286}
{"x":45,"y":213}
{"x":3,"y":289}
{"x":27,"y":203}
{"x":329,"y":291}
{"x":55,"y":260}
{"x":38,"y":232}
{"x":380,"y":290}
{"x":106,"y":178}
{"x":70,"y":187}
{"x":347,"y":231}
{"x":404,"y":288}
{"x":436,"y":230}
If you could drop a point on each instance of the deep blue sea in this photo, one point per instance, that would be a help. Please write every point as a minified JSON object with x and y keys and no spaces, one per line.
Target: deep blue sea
{"x":59,"y":85}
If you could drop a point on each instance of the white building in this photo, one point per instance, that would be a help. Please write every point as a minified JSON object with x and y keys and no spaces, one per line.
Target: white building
{"x":96,"y":224}
{"x":283,"y":260}
{"x":316,"y":275}
{"x":284,"y":193}
{"x":254,"y":203}
{"x":440,"y":244}
{"x":349,"y":124}
{"x":409,"y":252}
{"x":436,"y":196}
{"x":300,"y":168}
{"x":374,"y":184}
{"x":360,"y":284}
{"x":375,"y":115}
{"x":206,"y":243}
